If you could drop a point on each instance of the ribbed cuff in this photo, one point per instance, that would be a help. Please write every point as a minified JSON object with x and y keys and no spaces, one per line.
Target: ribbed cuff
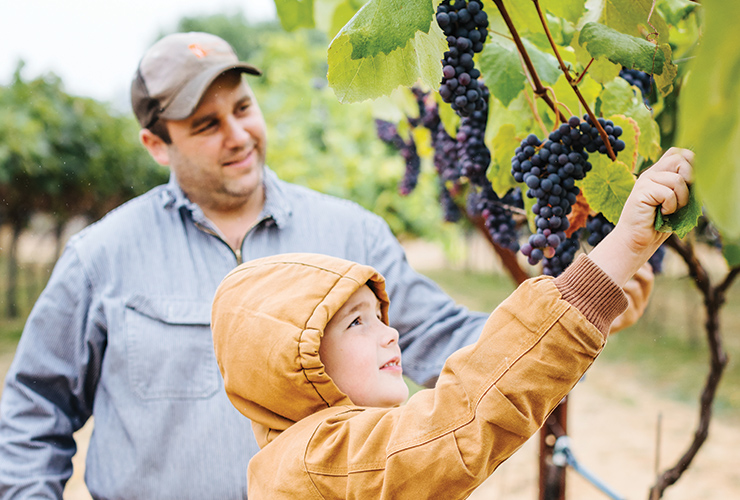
{"x":586,"y":287}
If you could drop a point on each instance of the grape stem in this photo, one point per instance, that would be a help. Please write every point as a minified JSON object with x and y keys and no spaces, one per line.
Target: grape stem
{"x":539,"y":89}
{"x":574,"y":83}
{"x":585,"y":70}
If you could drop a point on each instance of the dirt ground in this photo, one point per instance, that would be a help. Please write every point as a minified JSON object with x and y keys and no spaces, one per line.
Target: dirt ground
{"x":612,"y":421}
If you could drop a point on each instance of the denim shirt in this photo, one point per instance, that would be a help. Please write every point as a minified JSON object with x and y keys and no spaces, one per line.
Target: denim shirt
{"x":122,"y":333}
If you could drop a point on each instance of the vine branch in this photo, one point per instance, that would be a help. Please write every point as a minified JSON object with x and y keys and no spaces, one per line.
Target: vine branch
{"x":714,"y":298}
{"x":539,"y":89}
{"x":574,"y":83}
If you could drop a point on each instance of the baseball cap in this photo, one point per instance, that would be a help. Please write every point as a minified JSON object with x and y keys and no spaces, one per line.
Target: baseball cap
{"x":176,"y":71}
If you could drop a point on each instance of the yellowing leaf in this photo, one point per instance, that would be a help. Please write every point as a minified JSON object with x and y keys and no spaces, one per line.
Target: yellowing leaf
{"x":607,"y":186}
{"x":631,"y":137}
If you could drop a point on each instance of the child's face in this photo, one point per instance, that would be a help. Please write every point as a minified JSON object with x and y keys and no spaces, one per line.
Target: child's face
{"x":361,"y":353}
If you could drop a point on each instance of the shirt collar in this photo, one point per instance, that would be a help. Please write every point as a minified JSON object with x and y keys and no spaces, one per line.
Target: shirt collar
{"x":277,"y":205}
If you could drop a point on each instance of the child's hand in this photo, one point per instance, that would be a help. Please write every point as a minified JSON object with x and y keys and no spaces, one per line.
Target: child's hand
{"x":635,"y":239}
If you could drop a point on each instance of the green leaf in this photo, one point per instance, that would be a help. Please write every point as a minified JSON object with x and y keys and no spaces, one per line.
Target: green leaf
{"x":382,"y":26}
{"x":664,"y":81}
{"x":502,"y":71}
{"x":499,"y":172}
{"x":567,"y":9}
{"x":731,"y":251}
{"x":682,"y":221}
{"x":628,"y":16}
{"x":295,"y":14}
{"x":629,"y":51}
{"x":708,"y":118}
{"x":374,"y":54}
{"x":332,"y":15}
{"x":607,"y":186}
{"x":545,"y":63}
{"x":564,"y":92}
{"x":447,"y":115}
{"x":675,"y":10}
{"x":619,"y":98}
{"x":630,"y":136}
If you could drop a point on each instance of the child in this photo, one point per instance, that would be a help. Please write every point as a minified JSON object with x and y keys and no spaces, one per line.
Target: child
{"x":306,"y":353}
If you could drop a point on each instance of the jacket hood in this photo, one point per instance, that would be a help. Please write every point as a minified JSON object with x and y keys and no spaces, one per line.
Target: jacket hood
{"x":268,"y":318}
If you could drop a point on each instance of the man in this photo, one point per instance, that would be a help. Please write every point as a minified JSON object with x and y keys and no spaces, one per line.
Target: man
{"x":122,"y":330}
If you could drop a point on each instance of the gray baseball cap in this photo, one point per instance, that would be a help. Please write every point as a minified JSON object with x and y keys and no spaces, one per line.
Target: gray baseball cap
{"x":176,"y":71}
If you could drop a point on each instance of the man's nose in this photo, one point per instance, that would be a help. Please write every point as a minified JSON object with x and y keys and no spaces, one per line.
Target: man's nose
{"x":236,"y":134}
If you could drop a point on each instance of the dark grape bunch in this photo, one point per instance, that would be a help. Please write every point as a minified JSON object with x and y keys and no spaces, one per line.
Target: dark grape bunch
{"x":450,"y":210}
{"x":465,"y":24}
{"x":550,"y":171}
{"x":588,"y":129}
{"x":388,"y":133}
{"x":564,"y":255}
{"x":640,"y":79}
{"x":445,"y":146}
{"x":473,"y":154}
{"x":598,"y":227}
{"x":497,"y":217}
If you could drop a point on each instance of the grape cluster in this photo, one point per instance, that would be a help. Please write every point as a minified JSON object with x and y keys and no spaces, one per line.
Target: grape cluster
{"x":497,"y":217}
{"x":473,"y":154}
{"x":564,"y":255}
{"x":549,"y":170}
{"x":465,"y":25}
{"x":656,"y":260}
{"x":589,"y":130}
{"x":450,"y":210}
{"x":445,"y":146}
{"x":640,"y":79}
{"x":388,"y":133}
{"x":598,"y":227}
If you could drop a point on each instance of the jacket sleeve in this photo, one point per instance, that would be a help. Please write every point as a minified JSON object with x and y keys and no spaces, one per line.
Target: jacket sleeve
{"x":430,"y":324}
{"x":49,"y":389}
{"x":490,"y":398}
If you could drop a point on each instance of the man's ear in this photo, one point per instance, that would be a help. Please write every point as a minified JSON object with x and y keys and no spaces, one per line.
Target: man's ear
{"x":155,"y":145}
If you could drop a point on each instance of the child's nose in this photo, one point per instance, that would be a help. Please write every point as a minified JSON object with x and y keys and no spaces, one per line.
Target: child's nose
{"x":390,"y":335}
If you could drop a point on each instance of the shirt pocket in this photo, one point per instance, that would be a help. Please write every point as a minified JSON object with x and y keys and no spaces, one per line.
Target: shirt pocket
{"x":169,"y":348}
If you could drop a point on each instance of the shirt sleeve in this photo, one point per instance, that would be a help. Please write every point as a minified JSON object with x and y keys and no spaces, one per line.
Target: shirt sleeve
{"x":430,"y":324}
{"x":50,"y":386}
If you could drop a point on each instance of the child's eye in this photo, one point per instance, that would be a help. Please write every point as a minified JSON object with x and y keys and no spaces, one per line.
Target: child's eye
{"x":356,"y":322}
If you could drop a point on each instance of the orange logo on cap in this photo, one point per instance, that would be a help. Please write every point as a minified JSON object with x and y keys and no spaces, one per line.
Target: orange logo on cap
{"x":199,"y":51}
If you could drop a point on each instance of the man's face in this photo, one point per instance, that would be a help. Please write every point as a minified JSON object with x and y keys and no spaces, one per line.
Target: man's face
{"x":361,"y":353}
{"x":218,"y":153}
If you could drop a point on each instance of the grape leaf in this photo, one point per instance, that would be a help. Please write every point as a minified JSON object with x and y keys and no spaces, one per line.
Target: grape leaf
{"x":567,"y":9}
{"x":629,"y":51}
{"x":619,"y":98}
{"x":579,"y":216}
{"x":332,"y":15}
{"x":682,"y":221}
{"x":731,"y":251}
{"x":664,"y":81}
{"x":628,"y":16}
{"x":708,"y":120}
{"x":607,"y":186}
{"x":545,"y":64}
{"x":499,"y":172}
{"x":450,"y":119}
{"x":502,"y":71}
{"x":675,"y":10}
{"x":386,"y":44}
{"x":294,"y":14}
{"x":589,"y":90}
{"x":630,"y":136}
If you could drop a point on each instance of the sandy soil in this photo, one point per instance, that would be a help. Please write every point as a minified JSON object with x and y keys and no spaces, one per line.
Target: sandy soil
{"x":612,"y":424}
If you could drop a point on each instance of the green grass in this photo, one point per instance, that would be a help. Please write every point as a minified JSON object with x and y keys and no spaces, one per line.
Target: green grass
{"x":667,"y":348}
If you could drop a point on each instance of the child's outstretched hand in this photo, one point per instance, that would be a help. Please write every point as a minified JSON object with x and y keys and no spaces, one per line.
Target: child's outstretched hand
{"x":634,"y":239}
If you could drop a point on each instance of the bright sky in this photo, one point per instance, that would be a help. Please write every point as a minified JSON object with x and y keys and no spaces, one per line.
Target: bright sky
{"x":95,"y":45}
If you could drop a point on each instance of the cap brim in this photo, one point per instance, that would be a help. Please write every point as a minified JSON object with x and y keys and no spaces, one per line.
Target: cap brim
{"x":188,"y":98}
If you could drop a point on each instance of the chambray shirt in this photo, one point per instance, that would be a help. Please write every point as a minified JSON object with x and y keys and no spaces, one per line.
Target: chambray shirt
{"x":122,"y":333}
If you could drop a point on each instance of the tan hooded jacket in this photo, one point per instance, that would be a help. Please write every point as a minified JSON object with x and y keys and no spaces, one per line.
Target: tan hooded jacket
{"x":268,"y":319}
